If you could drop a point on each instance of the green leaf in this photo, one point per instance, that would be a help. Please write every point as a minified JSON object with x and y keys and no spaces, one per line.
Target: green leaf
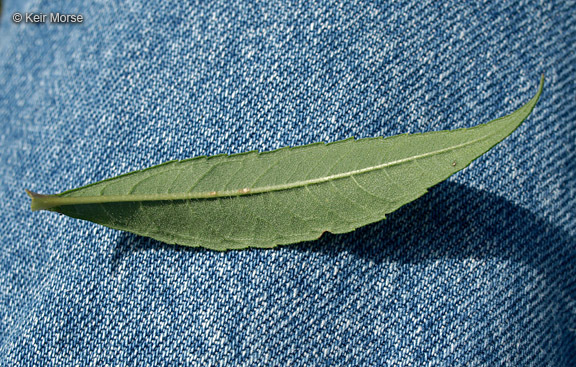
{"x":284,"y":196}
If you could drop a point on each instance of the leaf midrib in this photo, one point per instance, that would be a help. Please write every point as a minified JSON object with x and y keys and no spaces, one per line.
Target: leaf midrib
{"x":50,"y":201}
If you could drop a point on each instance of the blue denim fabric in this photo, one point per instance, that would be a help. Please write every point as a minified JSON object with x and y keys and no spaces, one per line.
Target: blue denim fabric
{"x":478,"y":272}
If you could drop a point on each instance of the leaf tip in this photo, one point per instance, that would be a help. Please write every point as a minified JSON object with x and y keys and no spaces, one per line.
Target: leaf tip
{"x":532,"y":103}
{"x":541,"y":86}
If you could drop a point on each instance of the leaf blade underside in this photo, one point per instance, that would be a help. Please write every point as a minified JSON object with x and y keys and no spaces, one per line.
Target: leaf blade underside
{"x":285,"y":196}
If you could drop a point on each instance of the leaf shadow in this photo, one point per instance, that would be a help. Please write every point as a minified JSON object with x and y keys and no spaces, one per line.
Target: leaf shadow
{"x":129,"y":244}
{"x":452,"y":221}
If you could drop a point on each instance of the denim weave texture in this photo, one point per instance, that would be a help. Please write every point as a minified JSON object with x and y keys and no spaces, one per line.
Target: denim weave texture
{"x":478,"y":272}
